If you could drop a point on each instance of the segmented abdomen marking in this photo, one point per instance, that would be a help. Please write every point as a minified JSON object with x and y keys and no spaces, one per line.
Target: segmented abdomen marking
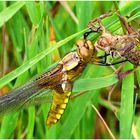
{"x":58,"y":106}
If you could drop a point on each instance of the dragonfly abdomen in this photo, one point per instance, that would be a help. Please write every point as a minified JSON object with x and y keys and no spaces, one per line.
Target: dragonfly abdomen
{"x":58,"y":106}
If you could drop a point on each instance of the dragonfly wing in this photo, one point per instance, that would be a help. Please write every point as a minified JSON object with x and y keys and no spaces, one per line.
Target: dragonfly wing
{"x":15,"y":97}
{"x":21,"y":98}
{"x":21,"y":95}
{"x":41,"y":97}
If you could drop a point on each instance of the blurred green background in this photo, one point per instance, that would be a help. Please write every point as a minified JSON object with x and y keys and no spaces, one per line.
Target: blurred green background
{"x":33,"y":37}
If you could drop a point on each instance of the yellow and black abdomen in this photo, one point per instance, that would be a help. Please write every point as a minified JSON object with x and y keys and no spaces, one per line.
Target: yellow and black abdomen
{"x":59,"y":103}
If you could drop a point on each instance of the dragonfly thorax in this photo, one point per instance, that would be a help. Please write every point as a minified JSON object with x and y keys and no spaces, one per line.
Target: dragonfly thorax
{"x":70,"y":61}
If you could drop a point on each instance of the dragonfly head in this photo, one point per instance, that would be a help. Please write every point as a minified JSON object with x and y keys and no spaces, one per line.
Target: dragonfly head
{"x":85,"y":49}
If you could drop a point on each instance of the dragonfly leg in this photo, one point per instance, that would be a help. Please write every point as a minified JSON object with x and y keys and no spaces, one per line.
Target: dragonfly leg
{"x":86,"y":34}
{"x":94,"y":28}
{"x":102,"y":61}
{"x":60,"y":99}
{"x":111,"y":64}
{"x":105,"y":58}
{"x":99,"y":60}
{"x":102,"y":17}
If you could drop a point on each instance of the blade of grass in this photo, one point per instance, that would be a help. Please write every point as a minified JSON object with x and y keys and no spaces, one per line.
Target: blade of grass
{"x":94,"y":83}
{"x":137,"y":131}
{"x":2,"y":5}
{"x":31,"y":122}
{"x":84,"y":13}
{"x":8,"y":125}
{"x":126,"y":110}
{"x":10,"y":11}
{"x":15,"y":29}
{"x":59,"y":35}
{"x":68,"y":9}
{"x":138,"y":75}
{"x":39,"y":132}
{"x":129,"y":7}
{"x":35,"y":11}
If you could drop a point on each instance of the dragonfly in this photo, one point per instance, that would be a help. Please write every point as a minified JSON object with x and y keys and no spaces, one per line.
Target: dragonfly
{"x":58,"y":79}
{"x":122,"y":47}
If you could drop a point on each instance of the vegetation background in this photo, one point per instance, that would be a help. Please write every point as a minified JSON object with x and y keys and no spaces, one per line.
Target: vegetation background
{"x":33,"y":36}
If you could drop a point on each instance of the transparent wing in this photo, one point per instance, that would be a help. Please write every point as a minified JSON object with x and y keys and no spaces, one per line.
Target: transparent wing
{"x":38,"y":98}
{"x":31,"y":92}
{"x":23,"y":97}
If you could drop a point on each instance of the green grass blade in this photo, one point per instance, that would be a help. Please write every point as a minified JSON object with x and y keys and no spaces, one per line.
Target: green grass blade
{"x":126,"y":110}
{"x":129,"y":7}
{"x":2,"y":5}
{"x":138,"y":75}
{"x":94,"y":83}
{"x":31,"y":122}
{"x":7,"y":13}
{"x":83,"y":16}
{"x":137,"y":130}
{"x":35,"y":11}
{"x":8,"y":125}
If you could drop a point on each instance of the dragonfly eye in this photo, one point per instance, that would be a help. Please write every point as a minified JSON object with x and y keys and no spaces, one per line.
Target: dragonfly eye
{"x":85,"y":49}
